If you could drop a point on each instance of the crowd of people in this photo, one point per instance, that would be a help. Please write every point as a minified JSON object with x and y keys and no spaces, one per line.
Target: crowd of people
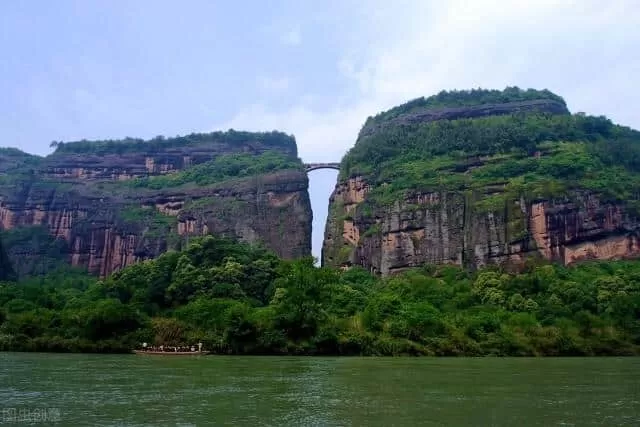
{"x":175,"y":349}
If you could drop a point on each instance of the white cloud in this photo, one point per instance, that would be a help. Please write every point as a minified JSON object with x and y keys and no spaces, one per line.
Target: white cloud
{"x":583,"y":50}
{"x":321,"y":136}
{"x":293,"y":37}
{"x":273,"y":84}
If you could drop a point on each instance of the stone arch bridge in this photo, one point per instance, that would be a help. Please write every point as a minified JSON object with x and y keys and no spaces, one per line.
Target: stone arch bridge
{"x":308,"y":167}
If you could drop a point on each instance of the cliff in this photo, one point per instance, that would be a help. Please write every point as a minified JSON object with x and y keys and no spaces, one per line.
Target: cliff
{"x":6,"y":269}
{"x":107,"y":204}
{"x":485,"y":177}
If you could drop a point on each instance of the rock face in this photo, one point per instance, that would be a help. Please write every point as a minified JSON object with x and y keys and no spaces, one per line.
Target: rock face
{"x":386,"y":217}
{"x":6,"y":269}
{"x":123,"y":160}
{"x":88,"y":203}
{"x":445,"y":228}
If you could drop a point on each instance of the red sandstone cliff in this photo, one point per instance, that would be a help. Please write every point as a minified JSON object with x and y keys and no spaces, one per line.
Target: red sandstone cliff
{"x":105,"y":226}
{"x":446,"y":228}
{"x":480,"y":177}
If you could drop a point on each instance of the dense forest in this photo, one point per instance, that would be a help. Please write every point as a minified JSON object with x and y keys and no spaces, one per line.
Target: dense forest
{"x":534,"y":154}
{"x":466,"y":98}
{"x":242,"y":299}
{"x":127,"y":145}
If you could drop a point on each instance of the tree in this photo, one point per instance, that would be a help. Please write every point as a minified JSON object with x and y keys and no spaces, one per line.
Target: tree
{"x":186,"y":280}
{"x":168,"y":332}
{"x":109,"y":318}
{"x":240,"y":332}
{"x":306,"y":290}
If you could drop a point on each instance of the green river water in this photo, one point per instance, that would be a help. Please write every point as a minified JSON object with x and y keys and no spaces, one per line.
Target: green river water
{"x":132,"y":390}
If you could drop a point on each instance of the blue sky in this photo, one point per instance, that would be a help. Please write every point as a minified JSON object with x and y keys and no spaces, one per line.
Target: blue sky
{"x":78,"y":69}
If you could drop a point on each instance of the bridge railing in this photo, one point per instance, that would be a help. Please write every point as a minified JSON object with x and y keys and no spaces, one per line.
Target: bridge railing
{"x":313,"y":166}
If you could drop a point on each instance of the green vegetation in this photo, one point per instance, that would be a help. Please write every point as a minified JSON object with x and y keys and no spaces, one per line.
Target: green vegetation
{"x":10,"y":156}
{"x":221,"y":168}
{"x":465,"y":98}
{"x":530,"y":155}
{"x":37,"y":251}
{"x":17,"y":166}
{"x":128,"y":145}
{"x":224,"y":208}
{"x":155,"y":223}
{"x":242,"y":299}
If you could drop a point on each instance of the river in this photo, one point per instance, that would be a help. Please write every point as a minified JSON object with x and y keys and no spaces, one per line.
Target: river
{"x":132,"y":390}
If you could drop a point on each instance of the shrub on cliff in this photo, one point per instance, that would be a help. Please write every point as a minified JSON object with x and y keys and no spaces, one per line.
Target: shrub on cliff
{"x":552,"y":153}
{"x":465,"y":98}
{"x":220,"y":169}
{"x":232,"y":137}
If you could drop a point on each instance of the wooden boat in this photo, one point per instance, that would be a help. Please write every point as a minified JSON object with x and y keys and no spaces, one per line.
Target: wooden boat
{"x":171,"y":353}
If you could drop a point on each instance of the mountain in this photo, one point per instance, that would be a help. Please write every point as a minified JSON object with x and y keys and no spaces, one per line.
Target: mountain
{"x":106,"y":204}
{"x":471,"y":178}
{"x":483,"y":177}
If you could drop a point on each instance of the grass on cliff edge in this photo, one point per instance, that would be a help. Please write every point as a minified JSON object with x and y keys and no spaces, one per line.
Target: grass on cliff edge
{"x":242,"y":299}
{"x":465,"y":98}
{"x":220,"y":169}
{"x":539,"y":151}
{"x":131,"y":145}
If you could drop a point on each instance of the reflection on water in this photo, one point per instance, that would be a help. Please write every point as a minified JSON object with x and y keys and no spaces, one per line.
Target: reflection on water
{"x":301,"y":391}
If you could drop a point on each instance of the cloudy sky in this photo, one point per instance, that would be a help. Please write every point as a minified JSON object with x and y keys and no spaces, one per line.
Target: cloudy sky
{"x":316,"y":69}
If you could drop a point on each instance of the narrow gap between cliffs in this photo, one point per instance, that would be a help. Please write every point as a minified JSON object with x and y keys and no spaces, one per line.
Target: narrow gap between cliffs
{"x":321,"y":185}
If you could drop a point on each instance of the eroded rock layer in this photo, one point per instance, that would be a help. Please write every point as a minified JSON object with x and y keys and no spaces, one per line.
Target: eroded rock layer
{"x":440,"y":228}
{"x":107,"y":209}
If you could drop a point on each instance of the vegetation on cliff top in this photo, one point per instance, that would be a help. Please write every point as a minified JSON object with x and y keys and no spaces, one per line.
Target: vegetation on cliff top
{"x":127,"y":145}
{"x":153,"y":223}
{"x":466,"y":98}
{"x":11,"y":157}
{"x":229,"y":166}
{"x":525,"y":153}
{"x":242,"y":299}
{"x":16,"y":166}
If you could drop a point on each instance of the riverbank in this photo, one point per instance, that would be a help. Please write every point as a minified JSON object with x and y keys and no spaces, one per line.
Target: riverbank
{"x":376,"y":348}
{"x":243,"y":300}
